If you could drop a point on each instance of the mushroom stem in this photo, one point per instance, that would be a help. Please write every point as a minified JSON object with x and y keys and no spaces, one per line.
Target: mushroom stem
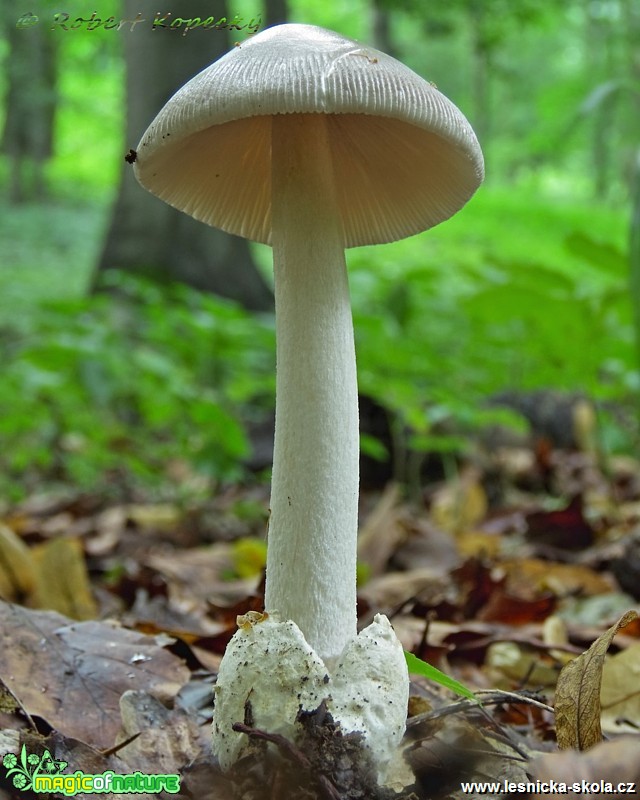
{"x":311,"y":561}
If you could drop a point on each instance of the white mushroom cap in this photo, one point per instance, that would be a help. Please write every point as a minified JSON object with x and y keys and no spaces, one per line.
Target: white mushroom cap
{"x":405,"y":157}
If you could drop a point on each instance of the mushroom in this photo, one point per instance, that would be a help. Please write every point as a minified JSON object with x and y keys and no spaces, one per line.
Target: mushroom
{"x":311,"y":142}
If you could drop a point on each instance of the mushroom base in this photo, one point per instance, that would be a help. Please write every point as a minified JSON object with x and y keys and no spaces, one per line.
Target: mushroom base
{"x":324,"y":764}
{"x":274,"y":695}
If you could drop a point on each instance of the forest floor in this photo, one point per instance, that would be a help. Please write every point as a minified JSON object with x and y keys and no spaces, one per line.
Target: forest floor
{"x":114,"y":618}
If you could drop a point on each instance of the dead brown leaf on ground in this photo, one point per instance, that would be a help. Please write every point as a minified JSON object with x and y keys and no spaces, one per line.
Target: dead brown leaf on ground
{"x":495,"y":577}
{"x":73,"y":674}
{"x":577,"y":700}
{"x":63,"y":583}
{"x":615,"y":763}
{"x":620,"y":695}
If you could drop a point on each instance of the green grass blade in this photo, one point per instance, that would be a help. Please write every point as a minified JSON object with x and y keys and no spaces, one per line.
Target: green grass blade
{"x":419,"y":667}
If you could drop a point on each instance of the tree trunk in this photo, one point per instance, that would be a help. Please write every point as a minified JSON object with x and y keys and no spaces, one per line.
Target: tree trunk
{"x":634,"y":255}
{"x":481,"y":55}
{"x":27,"y":137}
{"x":631,"y":68}
{"x":276,"y":12}
{"x":146,"y":236}
{"x":599,"y":55}
{"x":381,"y":28}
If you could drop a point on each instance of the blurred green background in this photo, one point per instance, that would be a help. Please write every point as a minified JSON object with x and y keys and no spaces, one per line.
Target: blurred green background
{"x":534,"y":285}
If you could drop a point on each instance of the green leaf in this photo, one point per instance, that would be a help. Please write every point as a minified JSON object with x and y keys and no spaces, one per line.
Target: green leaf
{"x":373,"y":447}
{"x":419,"y":667}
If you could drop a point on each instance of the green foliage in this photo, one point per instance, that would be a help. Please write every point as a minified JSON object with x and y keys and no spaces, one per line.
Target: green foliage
{"x":522,"y":289}
{"x":521,"y":293}
{"x":345,"y":16}
{"x":249,"y":556}
{"x":47,"y":251}
{"x":109,"y":388}
{"x":516,"y":292}
{"x":92,"y":81}
{"x":634,"y":258}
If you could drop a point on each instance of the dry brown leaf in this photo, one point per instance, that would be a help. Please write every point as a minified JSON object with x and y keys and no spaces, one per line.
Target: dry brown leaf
{"x":72,"y":674}
{"x":562,"y":580}
{"x":196,"y":577}
{"x":158,"y":614}
{"x":577,"y":701}
{"x":205,"y":781}
{"x":460,"y":504}
{"x":160,"y":517}
{"x":566,"y":528}
{"x":109,"y":527}
{"x":394,"y":588}
{"x":519,"y":664}
{"x":63,"y":582}
{"x":616,"y":763}
{"x":57,"y":525}
{"x":507,"y":608}
{"x":554,"y":631}
{"x":87,"y":759}
{"x":478,"y":543}
{"x":426,"y":546}
{"x":620,"y":695}
{"x":165,"y":739}
{"x":379,"y":536}
{"x":456,"y":748}
{"x":17,"y":570}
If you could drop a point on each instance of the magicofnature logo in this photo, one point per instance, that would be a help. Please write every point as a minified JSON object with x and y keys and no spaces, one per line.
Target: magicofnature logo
{"x":29,"y":766}
{"x":43,"y":774}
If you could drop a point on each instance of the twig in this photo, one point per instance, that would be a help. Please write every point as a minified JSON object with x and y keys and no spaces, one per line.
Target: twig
{"x":284,"y":745}
{"x":113,"y":750}
{"x":289,"y":750}
{"x":496,"y":696}
{"x":493,"y":697}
